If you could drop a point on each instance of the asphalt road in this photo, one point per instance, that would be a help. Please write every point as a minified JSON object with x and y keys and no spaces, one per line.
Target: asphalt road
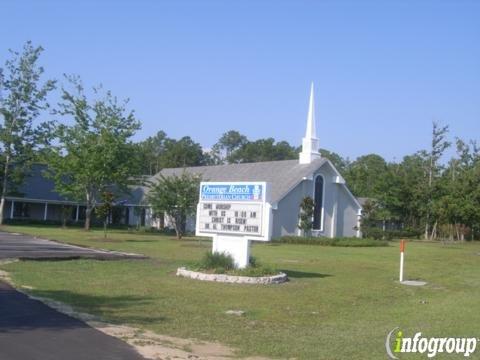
{"x":30,"y":330}
{"x":18,"y":246}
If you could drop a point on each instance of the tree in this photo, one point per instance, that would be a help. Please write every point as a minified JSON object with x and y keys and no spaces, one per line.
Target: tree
{"x":438,"y":147}
{"x":22,"y":98}
{"x":263,"y":150}
{"x":306,"y":215}
{"x":411,"y":176}
{"x":94,"y":154}
{"x":366,"y":174}
{"x":104,"y":210}
{"x":229,"y":142}
{"x":459,"y":187}
{"x":159,"y":151}
{"x":339,"y":162}
{"x":176,"y":197}
{"x":181,"y":153}
{"x":150,"y":152}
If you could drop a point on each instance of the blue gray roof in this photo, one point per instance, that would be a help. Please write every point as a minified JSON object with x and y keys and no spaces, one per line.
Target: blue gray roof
{"x":37,"y":186}
{"x":282,"y":175}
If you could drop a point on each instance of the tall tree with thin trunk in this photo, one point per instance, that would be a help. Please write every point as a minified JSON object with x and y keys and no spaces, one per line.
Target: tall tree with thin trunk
{"x":438,"y":147}
{"x":22,"y":99}
{"x":93,"y":154}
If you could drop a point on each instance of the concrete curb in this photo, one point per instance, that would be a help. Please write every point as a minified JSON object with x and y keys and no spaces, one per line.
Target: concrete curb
{"x":263,"y":280}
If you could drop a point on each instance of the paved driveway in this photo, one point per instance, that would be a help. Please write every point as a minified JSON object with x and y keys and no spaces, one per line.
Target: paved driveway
{"x":30,"y":330}
{"x":28,"y":247}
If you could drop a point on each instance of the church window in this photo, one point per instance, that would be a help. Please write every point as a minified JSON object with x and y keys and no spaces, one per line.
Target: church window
{"x":318,"y":199}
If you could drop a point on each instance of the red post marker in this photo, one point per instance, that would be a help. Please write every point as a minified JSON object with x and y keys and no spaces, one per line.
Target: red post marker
{"x":402,"y":250}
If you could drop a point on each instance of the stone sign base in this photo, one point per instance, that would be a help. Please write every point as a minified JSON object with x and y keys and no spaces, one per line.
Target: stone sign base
{"x":265,"y":280}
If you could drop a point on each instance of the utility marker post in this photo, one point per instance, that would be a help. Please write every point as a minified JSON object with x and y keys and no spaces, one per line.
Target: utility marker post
{"x":402,"y":258}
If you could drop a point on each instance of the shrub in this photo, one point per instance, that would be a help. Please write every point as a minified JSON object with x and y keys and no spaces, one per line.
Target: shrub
{"x":322,"y":241}
{"x":306,"y":215}
{"x":220,"y":263}
{"x":216,"y":261}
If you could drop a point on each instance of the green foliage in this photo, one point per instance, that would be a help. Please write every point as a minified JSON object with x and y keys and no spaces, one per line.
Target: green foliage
{"x":159,"y":151}
{"x":421,"y":191}
{"x":306,"y":215}
{"x":216,"y":262}
{"x":255,"y":271}
{"x":175,"y":196}
{"x":182,"y":153}
{"x":323,"y":241}
{"x":263,"y":150}
{"x":220,"y":263}
{"x":149,"y":154}
{"x":228,"y":143}
{"x":22,"y":100}
{"x":94,"y":153}
{"x":366,"y":175}
{"x":104,"y":210}
{"x":377,"y":233}
{"x":339,"y":162}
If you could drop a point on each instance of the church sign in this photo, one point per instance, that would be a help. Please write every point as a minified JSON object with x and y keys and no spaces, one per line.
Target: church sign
{"x":231,"y":218}
{"x":232,"y":208}
{"x":232,"y":192}
{"x":233,"y":213}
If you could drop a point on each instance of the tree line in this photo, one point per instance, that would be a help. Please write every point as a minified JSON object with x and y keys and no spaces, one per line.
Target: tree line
{"x":86,"y":141}
{"x":422,"y":194}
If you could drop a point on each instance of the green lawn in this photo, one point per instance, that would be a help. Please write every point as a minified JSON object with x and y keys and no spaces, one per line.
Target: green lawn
{"x":339,"y":304}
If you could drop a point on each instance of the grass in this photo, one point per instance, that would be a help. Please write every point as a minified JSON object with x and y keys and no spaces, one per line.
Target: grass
{"x":340,"y":303}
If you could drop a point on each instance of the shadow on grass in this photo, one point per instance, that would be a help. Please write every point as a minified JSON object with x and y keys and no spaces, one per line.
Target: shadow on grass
{"x":302,"y":274}
{"x":22,"y":313}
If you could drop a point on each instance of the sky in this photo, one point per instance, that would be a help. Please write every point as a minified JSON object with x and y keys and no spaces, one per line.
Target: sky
{"x":383,"y":70}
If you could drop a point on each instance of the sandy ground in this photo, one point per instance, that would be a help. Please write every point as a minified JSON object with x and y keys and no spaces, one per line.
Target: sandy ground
{"x":148,"y":344}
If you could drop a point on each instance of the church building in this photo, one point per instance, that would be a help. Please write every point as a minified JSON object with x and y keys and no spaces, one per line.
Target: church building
{"x":337,"y":212}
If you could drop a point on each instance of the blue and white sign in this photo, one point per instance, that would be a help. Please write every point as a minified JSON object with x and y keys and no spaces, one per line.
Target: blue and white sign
{"x":233,"y":214}
{"x":232,"y":192}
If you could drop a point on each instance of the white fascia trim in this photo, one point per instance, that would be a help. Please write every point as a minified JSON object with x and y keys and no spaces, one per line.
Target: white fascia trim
{"x":344,"y":184}
{"x":58,"y":202}
{"x":43,"y":201}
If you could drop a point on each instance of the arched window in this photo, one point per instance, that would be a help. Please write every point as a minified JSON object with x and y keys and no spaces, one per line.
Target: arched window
{"x":318,"y":198}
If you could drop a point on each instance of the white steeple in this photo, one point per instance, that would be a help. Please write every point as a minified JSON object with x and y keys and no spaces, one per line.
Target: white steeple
{"x":310,"y":144}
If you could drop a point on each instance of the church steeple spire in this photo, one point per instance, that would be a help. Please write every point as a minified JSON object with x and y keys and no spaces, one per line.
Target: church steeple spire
{"x":310,"y":144}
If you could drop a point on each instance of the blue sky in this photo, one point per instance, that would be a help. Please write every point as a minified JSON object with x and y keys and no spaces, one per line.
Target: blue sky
{"x":383,"y":70}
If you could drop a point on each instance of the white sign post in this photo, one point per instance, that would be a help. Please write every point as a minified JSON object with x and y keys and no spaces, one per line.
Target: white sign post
{"x":233,"y":214}
{"x":402,"y":258}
